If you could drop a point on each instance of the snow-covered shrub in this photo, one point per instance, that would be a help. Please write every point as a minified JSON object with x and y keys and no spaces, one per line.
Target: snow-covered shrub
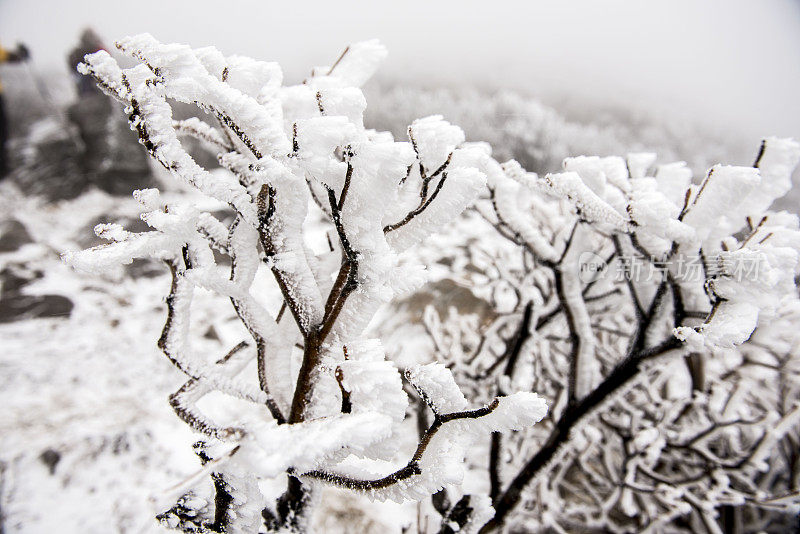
{"x":658,"y":318}
{"x":306,"y":398}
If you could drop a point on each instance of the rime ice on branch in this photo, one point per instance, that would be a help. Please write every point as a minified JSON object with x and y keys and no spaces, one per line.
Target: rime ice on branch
{"x":282,"y":147}
{"x":659,"y":319}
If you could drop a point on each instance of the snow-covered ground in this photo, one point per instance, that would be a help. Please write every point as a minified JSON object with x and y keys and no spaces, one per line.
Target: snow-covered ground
{"x":85,"y":431}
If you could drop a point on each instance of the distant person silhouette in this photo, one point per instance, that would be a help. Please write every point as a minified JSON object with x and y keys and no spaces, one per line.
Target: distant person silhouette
{"x":8,"y":56}
{"x":111,"y":158}
{"x":91,"y":111}
{"x":89,"y":43}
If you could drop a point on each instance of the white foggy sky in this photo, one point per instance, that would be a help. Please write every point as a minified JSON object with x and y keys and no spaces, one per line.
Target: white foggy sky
{"x":731,"y":63}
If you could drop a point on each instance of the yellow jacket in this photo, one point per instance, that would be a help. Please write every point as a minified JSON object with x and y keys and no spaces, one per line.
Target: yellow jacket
{"x":3,"y":59}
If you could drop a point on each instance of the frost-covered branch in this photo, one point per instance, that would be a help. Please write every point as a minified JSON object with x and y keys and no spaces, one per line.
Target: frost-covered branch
{"x":645,"y":273}
{"x":297,"y":163}
{"x":413,"y":467}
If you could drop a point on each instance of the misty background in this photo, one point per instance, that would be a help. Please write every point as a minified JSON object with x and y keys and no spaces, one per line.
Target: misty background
{"x":733,"y":63}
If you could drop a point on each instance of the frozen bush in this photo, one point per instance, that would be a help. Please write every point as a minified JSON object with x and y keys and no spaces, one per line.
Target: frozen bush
{"x":325,"y":405}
